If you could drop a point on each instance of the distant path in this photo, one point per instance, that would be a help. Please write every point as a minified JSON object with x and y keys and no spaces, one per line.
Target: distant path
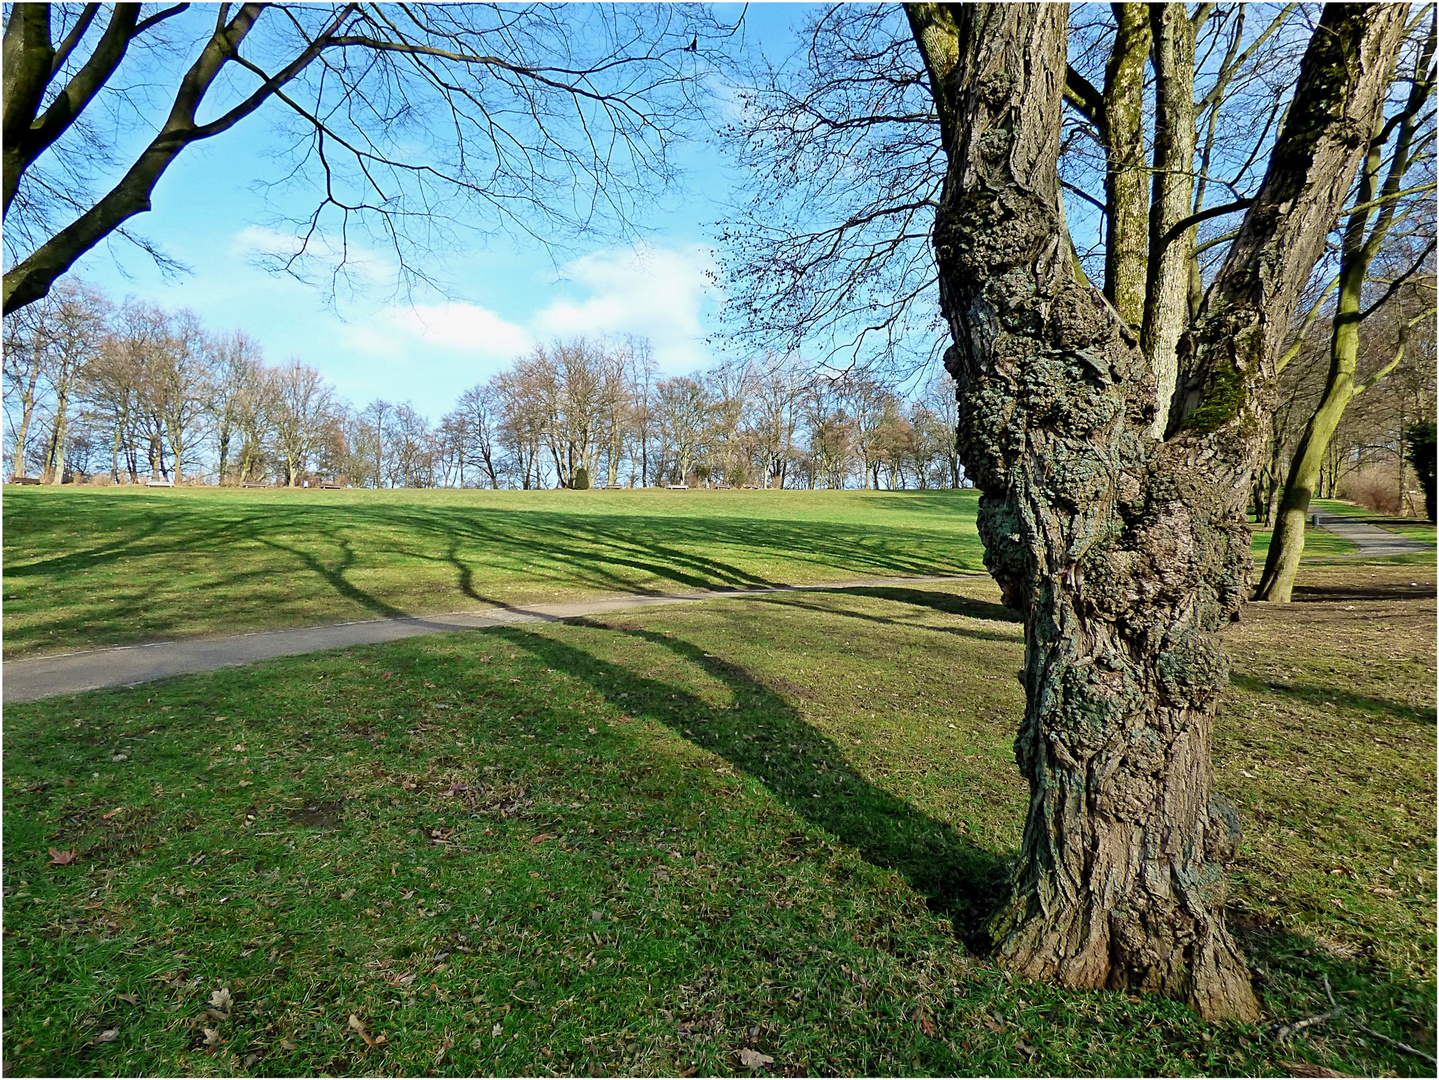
{"x":1371,"y":540}
{"x":126,"y":665}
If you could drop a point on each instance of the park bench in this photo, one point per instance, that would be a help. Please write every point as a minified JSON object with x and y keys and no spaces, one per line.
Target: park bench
{"x":678,"y":487}
{"x":24,"y":479}
{"x":332,"y":487}
{"x":253,"y":483}
{"x":152,"y":482}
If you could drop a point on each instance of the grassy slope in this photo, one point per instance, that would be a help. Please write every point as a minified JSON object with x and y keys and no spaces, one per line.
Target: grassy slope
{"x":92,"y":567}
{"x":88,"y":567}
{"x":641,"y":844}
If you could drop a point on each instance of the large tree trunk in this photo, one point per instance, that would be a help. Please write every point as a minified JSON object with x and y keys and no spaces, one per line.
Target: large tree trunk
{"x":1125,"y":554}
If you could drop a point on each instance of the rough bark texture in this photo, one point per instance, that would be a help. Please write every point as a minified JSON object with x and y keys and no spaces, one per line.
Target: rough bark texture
{"x":1126,"y":555}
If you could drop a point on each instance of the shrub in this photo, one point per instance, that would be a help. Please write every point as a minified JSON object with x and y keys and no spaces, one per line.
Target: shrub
{"x":1419,"y":448}
{"x":1373,"y":489}
{"x":581,"y":480}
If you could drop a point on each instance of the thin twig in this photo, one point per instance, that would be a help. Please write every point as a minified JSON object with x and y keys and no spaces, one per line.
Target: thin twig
{"x":1371,"y":1032}
{"x":1395,"y":1043}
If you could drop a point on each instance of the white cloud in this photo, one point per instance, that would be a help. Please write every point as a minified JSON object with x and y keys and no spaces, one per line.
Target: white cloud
{"x":650,"y":291}
{"x":462,"y":326}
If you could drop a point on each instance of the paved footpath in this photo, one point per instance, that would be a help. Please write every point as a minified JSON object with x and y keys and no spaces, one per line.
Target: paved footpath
{"x":1373,"y":541}
{"x":71,"y":673}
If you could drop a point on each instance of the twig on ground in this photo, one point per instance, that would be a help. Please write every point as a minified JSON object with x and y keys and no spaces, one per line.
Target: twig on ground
{"x":1287,"y":1030}
{"x":1396,"y":1043}
{"x":1335,"y":1010}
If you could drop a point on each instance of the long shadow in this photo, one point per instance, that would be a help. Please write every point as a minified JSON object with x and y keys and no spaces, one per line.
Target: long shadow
{"x":605,"y":551}
{"x":765,"y":735}
{"x":1312,"y":594}
{"x":1318,"y":695}
{"x":939,"y":601}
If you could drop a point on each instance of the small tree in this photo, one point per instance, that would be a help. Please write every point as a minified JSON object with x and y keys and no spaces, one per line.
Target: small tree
{"x":1419,"y":448}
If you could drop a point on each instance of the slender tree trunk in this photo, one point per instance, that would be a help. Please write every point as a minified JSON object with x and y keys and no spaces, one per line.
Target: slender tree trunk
{"x":55,"y":453}
{"x":1127,"y":172}
{"x":1166,"y":298}
{"x":1281,"y":566}
{"x":1125,"y":555}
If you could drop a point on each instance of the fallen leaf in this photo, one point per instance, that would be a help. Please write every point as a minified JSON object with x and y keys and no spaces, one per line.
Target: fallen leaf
{"x":388,"y":675}
{"x":497,"y":1030}
{"x":61,"y":858}
{"x":112,"y":813}
{"x":358,"y":1027}
{"x":926,"y":1025}
{"x":753,"y":1059}
{"x":991,"y":1023}
{"x":542,"y":836}
{"x":221,"y":1000}
{"x":347,"y":894}
{"x":289,"y":1044}
{"x":406,"y":980}
{"x":212,"y":1036}
{"x":247,"y":783}
{"x":133,"y":999}
{"x":108,"y":1036}
{"x":251,"y":1058}
{"x":408,"y":785}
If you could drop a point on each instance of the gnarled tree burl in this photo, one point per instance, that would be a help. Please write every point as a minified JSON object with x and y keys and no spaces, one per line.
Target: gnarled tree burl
{"x":1125,"y":551}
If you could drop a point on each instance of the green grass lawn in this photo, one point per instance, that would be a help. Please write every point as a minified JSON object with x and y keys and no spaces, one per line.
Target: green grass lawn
{"x":647,"y":843}
{"x":92,"y":567}
{"x":89,"y":567}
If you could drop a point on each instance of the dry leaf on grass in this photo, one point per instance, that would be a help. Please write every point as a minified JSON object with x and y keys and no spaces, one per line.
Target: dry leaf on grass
{"x":212,"y":1036}
{"x":221,"y":1000}
{"x":753,"y":1059}
{"x":497,"y":1030}
{"x":542,"y":837}
{"x":289,"y":1044}
{"x":112,"y":813}
{"x":108,"y":1036}
{"x":926,"y":1024}
{"x":133,"y":999}
{"x":61,"y":858}
{"x":358,"y":1027}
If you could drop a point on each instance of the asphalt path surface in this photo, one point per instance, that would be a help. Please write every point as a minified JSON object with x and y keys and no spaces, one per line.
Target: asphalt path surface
{"x":36,"y":677}
{"x":1373,"y":542}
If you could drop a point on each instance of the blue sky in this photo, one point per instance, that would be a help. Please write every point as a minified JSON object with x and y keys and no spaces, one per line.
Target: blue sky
{"x":504,"y":295}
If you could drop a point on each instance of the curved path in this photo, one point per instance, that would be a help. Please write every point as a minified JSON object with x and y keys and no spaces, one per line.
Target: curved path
{"x":1372,"y":541}
{"x":70,"y":673}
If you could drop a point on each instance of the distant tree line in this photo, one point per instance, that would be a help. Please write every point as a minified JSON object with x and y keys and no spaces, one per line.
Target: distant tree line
{"x":96,"y":392}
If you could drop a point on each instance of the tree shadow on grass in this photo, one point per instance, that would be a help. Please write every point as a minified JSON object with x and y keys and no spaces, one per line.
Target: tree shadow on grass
{"x":765,"y":736}
{"x":1319,"y":695}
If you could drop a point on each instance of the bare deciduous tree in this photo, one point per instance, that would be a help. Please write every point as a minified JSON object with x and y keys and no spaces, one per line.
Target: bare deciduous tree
{"x":407,"y":120}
